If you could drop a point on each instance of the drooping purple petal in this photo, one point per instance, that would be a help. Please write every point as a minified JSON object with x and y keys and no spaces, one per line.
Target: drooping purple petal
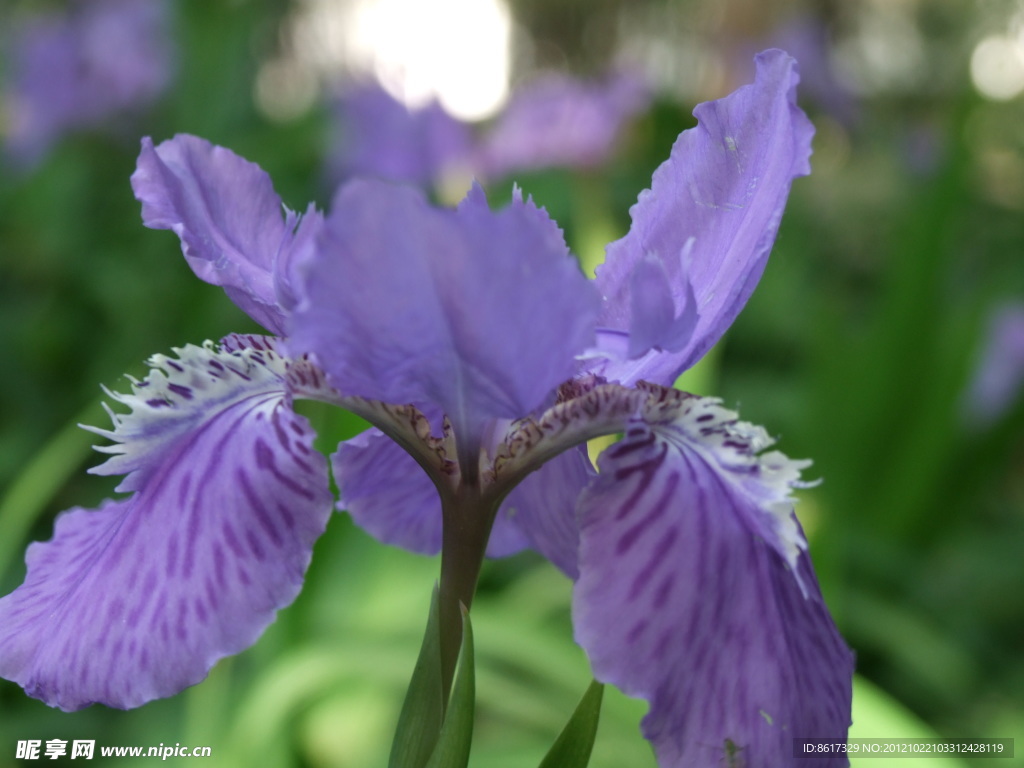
{"x":138,"y":599}
{"x":234,"y":230}
{"x":470,"y":311}
{"x":380,"y":137}
{"x":696,"y":594}
{"x":390,"y":497}
{"x":710,"y":216}
{"x":559,"y":121}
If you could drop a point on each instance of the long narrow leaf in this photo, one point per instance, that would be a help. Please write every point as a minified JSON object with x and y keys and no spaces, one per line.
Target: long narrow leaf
{"x":574,"y":744}
{"x":419,"y":723}
{"x":452,"y":749}
{"x":41,"y":480}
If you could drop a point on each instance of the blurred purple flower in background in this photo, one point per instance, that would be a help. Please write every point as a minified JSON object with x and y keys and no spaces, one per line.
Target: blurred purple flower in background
{"x":553,"y":121}
{"x":379,"y":136}
{"x":999,"y":377}
{"x":808,"y":38}
{"x":472,"y":342}
{"x":100,"y":60}
{"x":560,"y":121}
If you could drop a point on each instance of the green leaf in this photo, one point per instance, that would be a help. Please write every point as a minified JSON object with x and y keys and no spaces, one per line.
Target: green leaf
{"x":452,"y":749}
{"x":419,"y":723}
{"x":41,"y":480}
{"x":574,"y":744}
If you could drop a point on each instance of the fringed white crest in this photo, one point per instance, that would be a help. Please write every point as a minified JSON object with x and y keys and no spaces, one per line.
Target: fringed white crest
{"x":736,"y":449}
{"x":589,"y":407}
{"x":182,"y":391}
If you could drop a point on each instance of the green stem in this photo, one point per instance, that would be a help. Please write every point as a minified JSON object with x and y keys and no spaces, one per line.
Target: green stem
{"x":467,"y":526}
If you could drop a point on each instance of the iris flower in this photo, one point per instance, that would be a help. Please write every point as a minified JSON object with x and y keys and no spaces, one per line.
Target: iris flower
{"x":999,"y":377}
{"x":472,"y":342}
{"x":554,"y":121}
{"x":377,"y":135}
{"x":101,"y":60}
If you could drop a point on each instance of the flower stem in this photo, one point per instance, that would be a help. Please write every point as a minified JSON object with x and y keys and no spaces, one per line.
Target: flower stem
{"x":467,"y":526}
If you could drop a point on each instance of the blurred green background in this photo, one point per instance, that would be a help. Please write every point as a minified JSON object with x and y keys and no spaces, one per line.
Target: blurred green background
{"x":857,"y":350}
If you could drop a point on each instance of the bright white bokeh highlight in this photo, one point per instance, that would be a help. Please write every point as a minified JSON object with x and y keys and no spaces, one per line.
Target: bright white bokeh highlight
{"x":455,"y":51}
{"x":997,"y":67}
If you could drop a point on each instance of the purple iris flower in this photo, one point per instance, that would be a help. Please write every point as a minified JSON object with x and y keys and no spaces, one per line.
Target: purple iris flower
{"x":485,"y":360}
{"x":379,"y":136}
{"x":999,"y":377}
{"x":557,"y":120}
{"x":103,"y":58}
{"x":808,"y":36}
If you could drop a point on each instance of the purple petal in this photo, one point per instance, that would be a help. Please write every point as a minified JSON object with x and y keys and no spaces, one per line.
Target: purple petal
{"x":443,"y":309}
{"x":138,"y":599}
{"x":696,"y":595}
{"x":390,"y":497}
{"x":710,"y":216}
{"x":544,"y":507}
{"x":387,"y":494}
{"x":288,"y":269}
{"x":229,"y":219}
{"x":655,"y":322}
{"x":381,"y":137}
{"x":507,"y":537}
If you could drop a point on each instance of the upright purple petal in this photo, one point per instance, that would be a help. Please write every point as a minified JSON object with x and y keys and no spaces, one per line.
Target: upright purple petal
{"x":695,"y":593}
{"x":710,"y":218}
{"x":138,"y":599}
{"x":470,"y":311}
{"x":287,"y":269}
{"x":656,"y":325}
{"x":234,"y":230}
